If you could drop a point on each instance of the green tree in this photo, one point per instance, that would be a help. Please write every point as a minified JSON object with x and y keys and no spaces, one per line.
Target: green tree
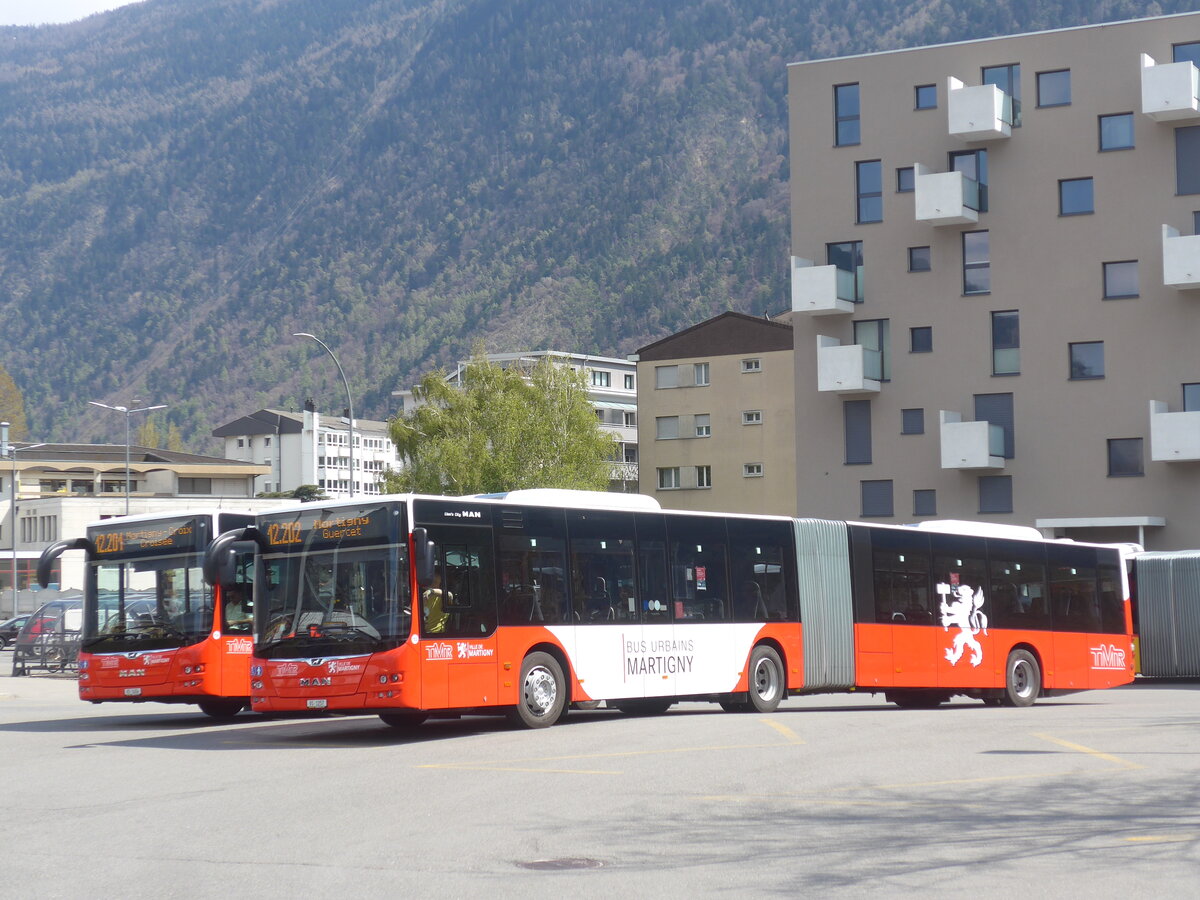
{"x":305,"y":493}
{"x":12,"y":407}
{"x":500,"y":430}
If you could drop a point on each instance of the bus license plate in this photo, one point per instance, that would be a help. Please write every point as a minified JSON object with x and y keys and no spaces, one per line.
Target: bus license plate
{"x":133,"y":692}
{"x":317,"y":704}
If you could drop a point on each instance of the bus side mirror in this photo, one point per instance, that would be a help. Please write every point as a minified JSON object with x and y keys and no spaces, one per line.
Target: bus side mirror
{"x":424,"y":558}
{"x":46,"y":561}
{"x":221,"y":558}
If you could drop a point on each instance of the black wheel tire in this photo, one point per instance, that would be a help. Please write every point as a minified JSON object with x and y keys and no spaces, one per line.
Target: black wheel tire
{"x":586,"y":704}
{"x":767,"y":683}
{"x":221,"y":709}
{"x":993,"y":701}
{"x":1022,"y":679}
{"x":404,"y":719}
{"x":734,"y":703}
{"x":651,"y":706}
{"x":543,"y":697}
{"x":916,"y":699}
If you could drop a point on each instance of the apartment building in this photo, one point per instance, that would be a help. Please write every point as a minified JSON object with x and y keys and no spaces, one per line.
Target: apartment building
{"x":308,"y":448}
{"x":719,"y":397}
{"x":996,"y":282}
{"x":612,"y":390}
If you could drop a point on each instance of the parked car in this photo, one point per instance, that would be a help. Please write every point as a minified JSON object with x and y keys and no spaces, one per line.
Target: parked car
{"x":9,"y":629}
{"x":49,"y":639}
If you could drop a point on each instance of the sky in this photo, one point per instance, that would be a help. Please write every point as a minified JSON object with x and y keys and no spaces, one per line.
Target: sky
{"x":45,"y":12}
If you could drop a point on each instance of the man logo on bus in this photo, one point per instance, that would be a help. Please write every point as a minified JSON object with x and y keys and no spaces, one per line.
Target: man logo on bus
{"x":963,"y":608}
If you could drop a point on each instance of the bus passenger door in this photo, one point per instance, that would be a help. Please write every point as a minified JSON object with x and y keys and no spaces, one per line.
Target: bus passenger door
{"x":459,"y":654}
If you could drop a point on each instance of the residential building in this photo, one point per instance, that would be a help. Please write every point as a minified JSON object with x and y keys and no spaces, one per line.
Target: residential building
{"x":996,"y":282}
{"x":717,"y":403}
{"x":307,"y":448}
{"x":612,"y":389}
{"x":60,"y":488}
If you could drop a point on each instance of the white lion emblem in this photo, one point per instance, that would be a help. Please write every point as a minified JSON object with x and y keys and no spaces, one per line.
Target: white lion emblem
{"x":963,"y":608}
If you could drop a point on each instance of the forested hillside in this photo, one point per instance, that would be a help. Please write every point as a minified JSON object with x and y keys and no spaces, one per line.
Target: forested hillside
{"x":184,"y":183}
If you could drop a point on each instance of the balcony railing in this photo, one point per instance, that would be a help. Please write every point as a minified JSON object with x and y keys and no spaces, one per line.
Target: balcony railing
{"x":970,"y":445}
{"x":847,"y":368}
{"x":979,"y":113}
{"x":1181,"y":259}
{"x":945,"y":198}
{"x":1174,"y":436}
{"x":823,"y":290}
{"x":1170,"y":92}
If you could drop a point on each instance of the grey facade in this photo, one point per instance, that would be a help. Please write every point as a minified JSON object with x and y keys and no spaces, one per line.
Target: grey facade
{"x":1025,"y":359}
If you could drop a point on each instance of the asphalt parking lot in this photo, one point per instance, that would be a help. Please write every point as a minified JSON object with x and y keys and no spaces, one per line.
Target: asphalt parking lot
{"x":1095,"y":794}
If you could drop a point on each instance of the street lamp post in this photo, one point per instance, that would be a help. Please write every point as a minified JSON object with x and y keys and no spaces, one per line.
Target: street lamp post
{"x":349,"y":399}
{"x":5,"y":450}
{"x":127,"y":412}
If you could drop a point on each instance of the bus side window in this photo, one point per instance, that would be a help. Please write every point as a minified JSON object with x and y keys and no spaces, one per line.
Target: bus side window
{"x":467,"y":584}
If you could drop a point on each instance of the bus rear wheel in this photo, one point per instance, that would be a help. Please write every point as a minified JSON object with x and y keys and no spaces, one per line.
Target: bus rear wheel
{"x":406,"y":719}
{"x":766,"y":679}
{"x":221,"y":709}
{"x":650,"y":706}
{"x":916,"y":699}
{"x":543,"y":692}
{"x":1022,"y":680}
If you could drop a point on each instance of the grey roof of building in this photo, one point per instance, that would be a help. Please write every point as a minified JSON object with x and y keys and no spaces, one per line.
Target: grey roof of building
{"x":729,"y":334}
{"x":115,"y":453}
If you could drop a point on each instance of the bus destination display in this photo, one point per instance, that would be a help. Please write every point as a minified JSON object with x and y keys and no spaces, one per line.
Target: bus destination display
{"x":324,"y":527}
{"x":151,"y":537}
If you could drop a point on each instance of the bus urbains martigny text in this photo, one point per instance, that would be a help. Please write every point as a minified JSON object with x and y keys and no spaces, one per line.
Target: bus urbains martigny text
{"x":153,"y":629}
{"x":407,"y":606}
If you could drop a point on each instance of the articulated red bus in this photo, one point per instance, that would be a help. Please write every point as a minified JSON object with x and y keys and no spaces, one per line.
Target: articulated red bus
{"x":152,"y":628}
{"x":405,"y":606}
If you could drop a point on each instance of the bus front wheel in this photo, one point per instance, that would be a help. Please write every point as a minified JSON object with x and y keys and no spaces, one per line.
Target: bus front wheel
{"x":766,"y":679}
{"x":221,"y":709}
{"x":1023,"y":679}
{"x":403,"y":719}
{"x":543,"y":692}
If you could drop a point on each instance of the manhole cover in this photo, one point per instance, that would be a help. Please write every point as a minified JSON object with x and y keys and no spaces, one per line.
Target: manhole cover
{"x":569,"y":863}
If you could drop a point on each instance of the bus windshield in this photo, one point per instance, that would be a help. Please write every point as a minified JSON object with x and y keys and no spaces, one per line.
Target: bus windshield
{"x":147,"y":604}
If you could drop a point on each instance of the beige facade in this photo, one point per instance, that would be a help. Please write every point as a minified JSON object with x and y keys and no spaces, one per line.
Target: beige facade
{"x":1045,"y":385}
{"x":717,"y":422}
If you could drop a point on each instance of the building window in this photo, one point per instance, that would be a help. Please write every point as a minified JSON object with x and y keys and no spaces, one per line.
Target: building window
{"x":1191,"y":398}
{"x":267,"y":442}
{"x":700,"y":374}
{"x":1087,"y":360}
{"x":876,"y":498}
{"x":752,"y":470}
{"x":629,"y":382}
{"x":703,"y":476}
{"x":666,"y":376}
{"x":856,"y":428}
{"x":52,"y":486}
{"x":1188,"y":52}
{"x":973,"y":164}
{"x":241,"y":442}
{"x":630,"y":420}
{"x":845,"y":115}
{"x":668,"y":478}
{"x":920,"y":339}
{"x":751,"y":365}
{"x":1006,"y":343}
{"x":905,"y":183}
{"x":919,"y":259}
{"x":1120,"y":279}
{"x":752,"y":417}
{"x":1008,"y":79}
{"x":847,"y":258}
{"x":601,"y":379}
{"x":912,"y":421}
{"x":995,"y":494}
{"x":997,"y":409}
{"x":666,"y":428}
{"x":925,"y":503}
{"x":1125,"y":457}
{"x":868,"y":191}
{"x":1054,"y":88}
{"x":874,"y":336}
{"x":703,"y":426}
{"x":196,"y":486}
{"x":1116,"y":132}
{"x":1187,"y":160}
{"x":925,"y":96}
{"x":1075,"y":197}
{"x":977,"y":267}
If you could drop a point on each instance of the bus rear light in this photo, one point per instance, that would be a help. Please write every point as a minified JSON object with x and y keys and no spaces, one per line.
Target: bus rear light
{"x":257,"y":685}
{"x":383,"y":679}
{"x":187,"y":670}
{"x":397,"y":677}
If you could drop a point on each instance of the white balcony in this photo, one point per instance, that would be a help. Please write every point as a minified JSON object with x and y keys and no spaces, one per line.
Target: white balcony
{"x":1181,"y":259}
{"x":822,"y":290}
{"x":945,"y":198}
{"x":980,"y":113}
{"x":1169,"y":91}
{"x":970,"y":445}
{"x":1174,"y":436}
{"x":847,"y":369}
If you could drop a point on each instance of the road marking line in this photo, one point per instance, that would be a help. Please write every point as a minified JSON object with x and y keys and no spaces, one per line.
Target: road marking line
{"x":1161,"y":839}
{"x":1079,"y":748}
{"x":792,"y":737}
{"x":468,"y":767}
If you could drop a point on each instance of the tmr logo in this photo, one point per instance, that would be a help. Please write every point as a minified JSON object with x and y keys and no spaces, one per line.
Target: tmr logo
{"x":1107,"y":656}
{"x":440,"y":650}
